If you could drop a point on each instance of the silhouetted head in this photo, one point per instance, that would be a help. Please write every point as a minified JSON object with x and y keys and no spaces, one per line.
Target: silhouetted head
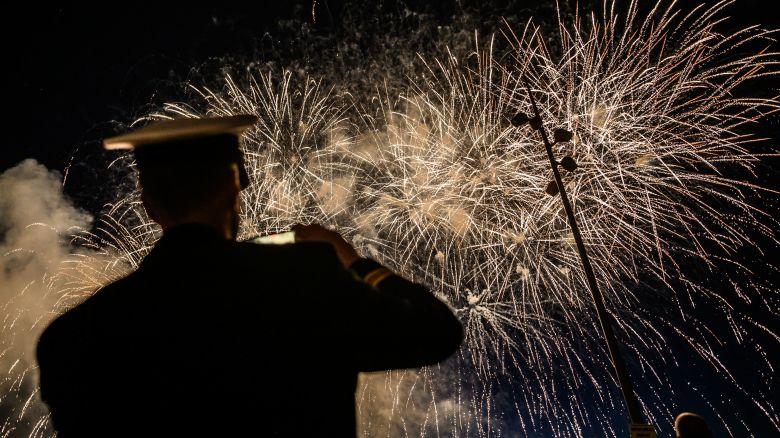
{"x":690,"y":425}
{"x":190,"y":170}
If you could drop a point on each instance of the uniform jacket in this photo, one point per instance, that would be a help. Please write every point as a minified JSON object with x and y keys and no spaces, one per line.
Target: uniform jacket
{"x":210,"y":337}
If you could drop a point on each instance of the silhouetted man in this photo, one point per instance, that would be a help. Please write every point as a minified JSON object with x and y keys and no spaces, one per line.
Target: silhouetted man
{"x":210,"y":337}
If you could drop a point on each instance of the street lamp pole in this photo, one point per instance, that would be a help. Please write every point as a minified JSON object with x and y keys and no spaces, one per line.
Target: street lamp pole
{"x":604,"y":320}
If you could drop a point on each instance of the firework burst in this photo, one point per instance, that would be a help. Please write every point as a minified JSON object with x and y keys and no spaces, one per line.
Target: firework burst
{"x":435,"y":182}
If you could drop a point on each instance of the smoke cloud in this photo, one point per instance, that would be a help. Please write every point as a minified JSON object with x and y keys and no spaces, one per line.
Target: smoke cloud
{"x":37,"y":223}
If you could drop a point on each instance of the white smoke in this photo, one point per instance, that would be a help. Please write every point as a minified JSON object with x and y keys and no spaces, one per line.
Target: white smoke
{"x":36,"y":224}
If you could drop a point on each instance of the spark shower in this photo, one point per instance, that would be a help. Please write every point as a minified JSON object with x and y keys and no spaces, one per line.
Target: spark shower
{"x":431,"y":179}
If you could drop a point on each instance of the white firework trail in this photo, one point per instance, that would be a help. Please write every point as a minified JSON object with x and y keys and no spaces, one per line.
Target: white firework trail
{"x":437,"y":184}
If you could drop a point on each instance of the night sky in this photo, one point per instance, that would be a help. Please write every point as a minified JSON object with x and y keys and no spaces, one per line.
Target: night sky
{"x":72,"y":73}
{"x":76,"y":74}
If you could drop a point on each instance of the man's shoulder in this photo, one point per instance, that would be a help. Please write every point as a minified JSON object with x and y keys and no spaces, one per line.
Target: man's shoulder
{"x":83,"y":315}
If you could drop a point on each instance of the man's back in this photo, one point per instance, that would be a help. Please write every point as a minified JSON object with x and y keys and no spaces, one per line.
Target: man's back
{"x":215,"y":337}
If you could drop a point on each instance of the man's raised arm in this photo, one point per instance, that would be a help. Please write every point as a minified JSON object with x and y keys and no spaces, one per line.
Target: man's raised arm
{"x":395,"y":323}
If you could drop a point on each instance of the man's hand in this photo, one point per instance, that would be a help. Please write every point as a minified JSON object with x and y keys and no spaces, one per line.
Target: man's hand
{"x":318,"y":233}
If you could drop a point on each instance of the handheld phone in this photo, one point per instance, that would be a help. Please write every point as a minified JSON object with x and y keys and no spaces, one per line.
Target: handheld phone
{"x":274,"y":239}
